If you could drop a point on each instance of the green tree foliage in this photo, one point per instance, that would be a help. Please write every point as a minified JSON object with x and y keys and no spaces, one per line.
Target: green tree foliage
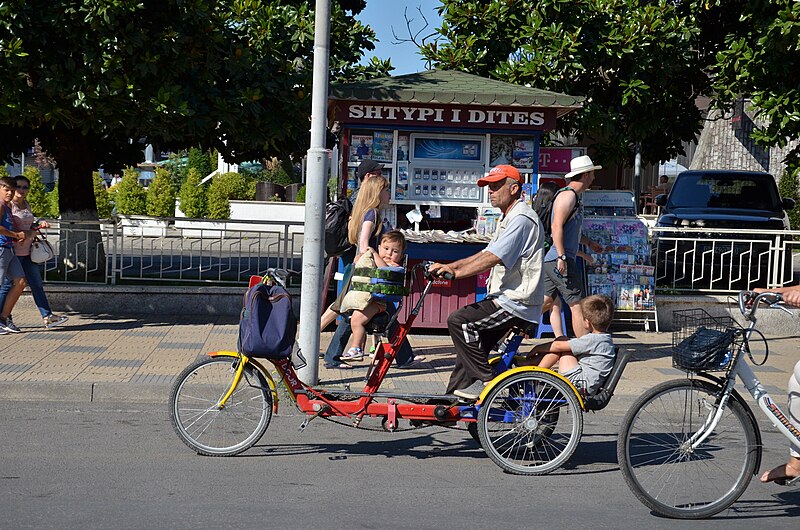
{"x":199,"y":160}
{"x":52,"y":201}
{"x":193,"y":196}
{"x":102,"y":197}
{"x":85,"y":76}
{"x":789,"y":187}
{"x":37,"y":195}
{"x":301,"y":194}
{"x":3,"y":171}
{"x":161,"y":195}
{"x":762,"y":61}
{"x":131,"y":197}
{"x":640,"y":65}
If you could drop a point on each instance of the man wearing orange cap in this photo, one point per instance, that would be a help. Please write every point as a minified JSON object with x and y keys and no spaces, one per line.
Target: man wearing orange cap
{"x":515,"y":287}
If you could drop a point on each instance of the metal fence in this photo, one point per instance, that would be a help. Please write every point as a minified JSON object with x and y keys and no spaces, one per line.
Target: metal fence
{"x":174,"y":251}
{"x":724,"y":260}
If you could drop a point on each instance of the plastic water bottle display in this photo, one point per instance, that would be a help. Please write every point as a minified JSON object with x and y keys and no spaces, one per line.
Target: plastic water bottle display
{"x":442,"y":191}
{"x":449,"y":192}
{"x":426,"y":174}
{"x":433,"y":191}
{"x":458,"y":176}
{"x":473,"y":193}
{"x":434,"y":174}
{"x":425,"y":189}
{"x":457,"y":191}
{"x":417,"y":190}
{"x":417,"y":175}
{"x":450,"y":176}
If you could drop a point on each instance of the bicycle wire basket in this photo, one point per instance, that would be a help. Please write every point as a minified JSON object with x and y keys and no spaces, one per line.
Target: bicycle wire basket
{"x":702,"y":342}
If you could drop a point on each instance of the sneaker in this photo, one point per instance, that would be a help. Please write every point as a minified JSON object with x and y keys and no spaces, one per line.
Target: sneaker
{"x":9,"y":325}
{"x":472,"y":392}
{"x":3,"y":330}
{"x":52,"y":320}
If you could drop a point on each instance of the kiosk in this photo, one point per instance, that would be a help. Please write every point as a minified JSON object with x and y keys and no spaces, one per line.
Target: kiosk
{"x":437,"y":133}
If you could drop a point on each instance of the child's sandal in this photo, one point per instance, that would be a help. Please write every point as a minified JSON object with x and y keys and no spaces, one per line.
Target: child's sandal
{"x":353,"y":354}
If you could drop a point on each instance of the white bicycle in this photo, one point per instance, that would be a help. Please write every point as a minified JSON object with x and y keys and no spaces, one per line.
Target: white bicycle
{"x":688,"y":448}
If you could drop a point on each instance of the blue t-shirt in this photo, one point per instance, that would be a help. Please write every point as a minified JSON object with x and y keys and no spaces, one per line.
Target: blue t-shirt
{"x":8,"y":223}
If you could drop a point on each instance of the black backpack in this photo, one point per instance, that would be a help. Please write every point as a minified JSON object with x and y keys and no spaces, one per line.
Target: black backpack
{"x":545,"y":213}
{"x":337,"y":215}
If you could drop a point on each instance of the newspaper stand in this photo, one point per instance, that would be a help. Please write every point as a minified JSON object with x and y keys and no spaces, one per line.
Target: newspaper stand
{"x":622,"y":270}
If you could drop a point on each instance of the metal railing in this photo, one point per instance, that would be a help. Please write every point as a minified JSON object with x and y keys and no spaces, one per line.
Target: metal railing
{"x":167,"y":250}
{"x":724,"y":260}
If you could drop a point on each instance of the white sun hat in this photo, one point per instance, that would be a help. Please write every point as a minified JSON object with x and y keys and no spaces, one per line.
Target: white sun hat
{"x":580,"y":164}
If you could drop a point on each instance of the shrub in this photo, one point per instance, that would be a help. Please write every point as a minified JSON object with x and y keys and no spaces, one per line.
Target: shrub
{"x":161,"y":195}
{"x":131,"y":197}
{"x":3,"y":171}
{"x":37,"y":195}
{"x":301,"y":194}
{"x":101,"y":196}
{"x":193,"y":196}
{"x":176,"y":166}
{"x":788,"y":187}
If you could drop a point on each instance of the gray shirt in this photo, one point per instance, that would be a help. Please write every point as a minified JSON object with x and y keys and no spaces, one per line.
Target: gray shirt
{"x":519,"y":242}
{"x":595,"y":353}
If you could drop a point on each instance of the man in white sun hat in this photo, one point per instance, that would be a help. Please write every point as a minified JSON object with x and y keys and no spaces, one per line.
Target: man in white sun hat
{"x":561,"y":272}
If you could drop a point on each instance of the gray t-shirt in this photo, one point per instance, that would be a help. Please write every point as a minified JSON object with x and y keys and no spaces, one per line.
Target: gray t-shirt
{"x":517,"y":241}
{"x":595,"y":353}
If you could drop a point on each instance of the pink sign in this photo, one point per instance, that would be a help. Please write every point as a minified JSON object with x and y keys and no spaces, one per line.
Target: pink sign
{"x":556,"y":159}
{"x":482,"y":279}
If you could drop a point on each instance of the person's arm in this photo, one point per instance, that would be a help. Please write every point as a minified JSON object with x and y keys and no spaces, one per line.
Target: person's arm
{"x":791,"y":294}
{"x":367,"y":227}
{"x":464,"y":268}
{"x":379,"y":262}
{"x":559,"y":345}
{"x":586,"y":257}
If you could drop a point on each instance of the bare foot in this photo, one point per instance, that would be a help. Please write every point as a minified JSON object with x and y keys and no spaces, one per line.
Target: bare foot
{"x":783,"y":473}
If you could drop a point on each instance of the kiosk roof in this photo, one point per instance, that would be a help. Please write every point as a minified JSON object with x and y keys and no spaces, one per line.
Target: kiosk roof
{"x":455,"y":88}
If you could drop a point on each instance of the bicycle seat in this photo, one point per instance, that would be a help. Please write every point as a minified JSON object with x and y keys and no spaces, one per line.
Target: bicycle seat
{"x":603,"y":396}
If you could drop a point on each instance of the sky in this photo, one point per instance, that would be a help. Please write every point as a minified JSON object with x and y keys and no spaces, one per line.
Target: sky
{"x":383,"y":15}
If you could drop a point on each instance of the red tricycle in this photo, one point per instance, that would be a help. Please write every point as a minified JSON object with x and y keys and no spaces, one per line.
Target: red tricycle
{"x":528,"y":419}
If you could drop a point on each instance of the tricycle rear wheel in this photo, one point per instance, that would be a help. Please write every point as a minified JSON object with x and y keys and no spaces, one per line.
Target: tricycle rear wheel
{"x":530,"y":423}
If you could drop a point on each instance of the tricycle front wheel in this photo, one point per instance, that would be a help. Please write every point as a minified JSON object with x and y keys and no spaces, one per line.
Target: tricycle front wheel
{"x":214,"y":430}
{"x":530,"y":423}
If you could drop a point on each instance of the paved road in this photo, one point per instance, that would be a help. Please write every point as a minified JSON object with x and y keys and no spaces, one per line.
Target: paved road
{"x":104,"y":465}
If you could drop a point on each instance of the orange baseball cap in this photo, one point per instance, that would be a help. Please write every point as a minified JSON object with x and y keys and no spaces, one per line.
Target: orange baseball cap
{"x":501,"y":172}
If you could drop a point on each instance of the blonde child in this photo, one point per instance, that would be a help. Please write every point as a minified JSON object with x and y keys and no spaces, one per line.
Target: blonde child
{"x":586,"y":360}
{"x":390,"y":252}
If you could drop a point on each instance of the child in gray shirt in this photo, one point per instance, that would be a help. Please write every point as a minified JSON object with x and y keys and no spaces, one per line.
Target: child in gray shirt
{"x":586,"y":360}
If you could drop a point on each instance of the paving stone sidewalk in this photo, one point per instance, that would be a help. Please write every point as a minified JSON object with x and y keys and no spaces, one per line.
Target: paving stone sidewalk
{"x":134,"y":358}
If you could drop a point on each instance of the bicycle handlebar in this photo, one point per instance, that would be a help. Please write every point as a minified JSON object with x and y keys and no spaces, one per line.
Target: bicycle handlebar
{"x":430,"y":275}
{"x":749,"y":300}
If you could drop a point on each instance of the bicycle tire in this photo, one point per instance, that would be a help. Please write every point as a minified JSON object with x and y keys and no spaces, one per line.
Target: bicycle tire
{"x":530,"y":423}
{"x":208,"y":429}
{"x":677,"y":481}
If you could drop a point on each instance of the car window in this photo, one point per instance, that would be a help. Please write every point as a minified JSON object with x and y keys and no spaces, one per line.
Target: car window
{"x":750,"y":192}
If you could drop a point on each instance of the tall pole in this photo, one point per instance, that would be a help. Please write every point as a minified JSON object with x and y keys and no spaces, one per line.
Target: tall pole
{"x":311,"y":287}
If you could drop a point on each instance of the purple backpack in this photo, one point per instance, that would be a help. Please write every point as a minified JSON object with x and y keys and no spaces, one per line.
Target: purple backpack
{"x":267,"y":326}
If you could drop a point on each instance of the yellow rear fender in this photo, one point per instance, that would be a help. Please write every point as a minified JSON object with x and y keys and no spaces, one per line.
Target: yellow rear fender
{"x":520,"y":369}
{"x":270,"y":382}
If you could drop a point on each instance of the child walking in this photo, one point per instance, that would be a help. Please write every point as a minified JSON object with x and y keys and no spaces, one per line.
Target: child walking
{"x":391,"y":248}
{"x":586,"y":360}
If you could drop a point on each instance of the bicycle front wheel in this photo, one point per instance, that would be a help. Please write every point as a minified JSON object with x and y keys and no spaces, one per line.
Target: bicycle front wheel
{"x":211,"y":429}
{"x":530,"y":423}
{"x":658,"y":462}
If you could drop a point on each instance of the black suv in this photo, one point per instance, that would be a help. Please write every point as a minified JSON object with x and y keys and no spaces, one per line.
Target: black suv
{"x":724,"y":199}
{"x":719,"y":199}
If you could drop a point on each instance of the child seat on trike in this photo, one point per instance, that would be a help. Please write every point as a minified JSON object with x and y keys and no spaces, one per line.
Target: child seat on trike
{"x":528,"y":419}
